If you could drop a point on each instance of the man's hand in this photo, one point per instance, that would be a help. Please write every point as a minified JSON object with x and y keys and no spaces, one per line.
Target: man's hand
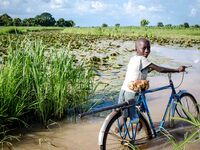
{"x":181,"y":68}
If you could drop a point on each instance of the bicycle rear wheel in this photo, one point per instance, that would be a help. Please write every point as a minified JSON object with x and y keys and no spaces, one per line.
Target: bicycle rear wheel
{"x":122,"y":138}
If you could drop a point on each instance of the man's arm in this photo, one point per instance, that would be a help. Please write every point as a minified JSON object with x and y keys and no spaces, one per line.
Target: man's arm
{"x":166,"y":70}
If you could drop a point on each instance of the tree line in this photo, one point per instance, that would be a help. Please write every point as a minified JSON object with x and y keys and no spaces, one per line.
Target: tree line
{"x":145,"y":23}
{"x":44,"y":19}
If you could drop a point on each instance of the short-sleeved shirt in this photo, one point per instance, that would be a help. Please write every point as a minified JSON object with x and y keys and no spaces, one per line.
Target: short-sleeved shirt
{"x":137,"y":69}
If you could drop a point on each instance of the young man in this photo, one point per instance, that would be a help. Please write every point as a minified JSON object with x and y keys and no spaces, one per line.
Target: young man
{"x":137,"y":69}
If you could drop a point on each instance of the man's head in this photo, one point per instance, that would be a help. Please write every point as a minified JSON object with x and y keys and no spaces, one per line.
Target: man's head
{"x":143,"y":47}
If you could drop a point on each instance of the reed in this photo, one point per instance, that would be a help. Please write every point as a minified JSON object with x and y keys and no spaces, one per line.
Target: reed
{"x":190,"y":136}
{"x":38,"y":83}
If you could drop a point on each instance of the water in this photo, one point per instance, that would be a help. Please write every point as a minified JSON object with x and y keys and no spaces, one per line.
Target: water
{"x":83,"y":135}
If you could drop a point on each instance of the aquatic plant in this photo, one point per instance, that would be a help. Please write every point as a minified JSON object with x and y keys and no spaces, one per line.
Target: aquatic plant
{"x":38,"y":84}
{"x":190,"y":136}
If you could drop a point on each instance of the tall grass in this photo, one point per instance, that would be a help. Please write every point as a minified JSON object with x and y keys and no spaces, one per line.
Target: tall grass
{"x":21,"y":30}
{"x":164,"y":32}
{"x":190,"y":136}
{"x":37,"y":83}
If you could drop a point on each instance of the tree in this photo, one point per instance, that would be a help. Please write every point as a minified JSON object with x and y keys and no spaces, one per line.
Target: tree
{"x":17,"y":22}
{"x":60,"y":22}
{"x":196,"y":26}
{"x":186,"y":25}
{"x":117,"y":25}
{"x":69,"y":23}
{"x":160,"y":24}
{"x":144,"y":22}
{"x":104,"y":25}
{"x":168,"y":25}
{"x":45,"y":19}
{"x":29,"y":22}
{"x":5,"y":20}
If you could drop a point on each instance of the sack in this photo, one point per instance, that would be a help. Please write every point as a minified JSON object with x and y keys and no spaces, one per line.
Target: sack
{"x":138,"y":85}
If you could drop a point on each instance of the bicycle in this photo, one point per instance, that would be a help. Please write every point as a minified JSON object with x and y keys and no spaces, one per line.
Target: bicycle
{"x":129,"y":134}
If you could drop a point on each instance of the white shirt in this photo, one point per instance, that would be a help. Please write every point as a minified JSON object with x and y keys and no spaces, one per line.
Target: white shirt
{"x":136,"y":70}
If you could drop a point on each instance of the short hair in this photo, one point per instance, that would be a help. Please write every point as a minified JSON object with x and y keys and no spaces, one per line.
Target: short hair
{"x":141,"y":40}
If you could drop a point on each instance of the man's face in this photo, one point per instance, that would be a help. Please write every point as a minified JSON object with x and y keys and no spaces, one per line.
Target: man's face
{"x":143,"y":49}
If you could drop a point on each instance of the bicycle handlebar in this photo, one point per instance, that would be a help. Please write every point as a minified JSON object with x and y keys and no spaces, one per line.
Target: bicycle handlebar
{"x":170,"y":74}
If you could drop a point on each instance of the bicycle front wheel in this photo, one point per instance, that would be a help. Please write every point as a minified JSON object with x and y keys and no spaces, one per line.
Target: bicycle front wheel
{"x":188,"y":104}
{"x":127,"y":136}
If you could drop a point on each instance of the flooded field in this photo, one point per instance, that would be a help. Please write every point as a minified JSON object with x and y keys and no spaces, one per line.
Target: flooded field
{"x":83,"y":134}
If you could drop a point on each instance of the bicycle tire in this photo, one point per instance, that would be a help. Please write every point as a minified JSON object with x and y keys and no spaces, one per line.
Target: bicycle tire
{"x":184,"y":98}
{"x":122,"y":145}
{"x":188,"y":103}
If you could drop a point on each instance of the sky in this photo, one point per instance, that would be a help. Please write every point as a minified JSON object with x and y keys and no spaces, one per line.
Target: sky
{"x":111,"y":12}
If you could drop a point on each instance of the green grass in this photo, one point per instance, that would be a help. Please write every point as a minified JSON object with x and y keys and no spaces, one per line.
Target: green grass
{"x":135,"y":31}
{"x":21,"y":30}
{"x":39,"y":84}
{"x":190,"y":136}
{"x":186,"y":37}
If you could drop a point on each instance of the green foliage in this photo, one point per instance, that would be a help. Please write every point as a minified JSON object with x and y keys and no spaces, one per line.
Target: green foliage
{"x":104,"y":25}
{"x":17,"y":22}
{"x":160,"y":24}
{"x":168,"y":25}
{"x":69,"y":23}
{"x":5,"y":20}
{"x":186,"y":25}
{"x":40,"y":84}
{"x":117,"y":25}
{"x":45,"y":19}
{"x":144,"y":23}
{"x":29,"y":22}
{"x":188,"y":137}
{"x":185,"y":37}
{"x":11,"y":30}
{"x":60,"y":22}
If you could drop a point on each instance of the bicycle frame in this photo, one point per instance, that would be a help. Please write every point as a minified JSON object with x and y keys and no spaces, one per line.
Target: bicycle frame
{"x":142,"y":100}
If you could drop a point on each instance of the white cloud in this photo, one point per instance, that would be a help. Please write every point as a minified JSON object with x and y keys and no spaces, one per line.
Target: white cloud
{"x":133,"y":8}
{"x":5,"y":4}
{"x":129,"y":7}
{"x":86,"y":6}
{"x":141,"y":7}
{"x":156,"y":8}
{"x":29,"y":10}
{"x":97,"y":5}
{"x":193,"y":12}
{"x":57,"y":3}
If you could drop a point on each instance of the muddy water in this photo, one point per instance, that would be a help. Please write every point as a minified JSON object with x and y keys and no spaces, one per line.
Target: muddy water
{"x":83,"y":135}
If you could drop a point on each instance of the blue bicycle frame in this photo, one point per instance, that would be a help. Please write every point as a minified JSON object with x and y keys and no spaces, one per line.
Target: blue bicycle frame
{"x":142,"y":101}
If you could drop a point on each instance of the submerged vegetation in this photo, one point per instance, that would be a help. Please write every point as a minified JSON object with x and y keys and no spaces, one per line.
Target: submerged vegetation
{"x":47,"y":71}
{"x":184,"y":37}
{"x":38,"y":84}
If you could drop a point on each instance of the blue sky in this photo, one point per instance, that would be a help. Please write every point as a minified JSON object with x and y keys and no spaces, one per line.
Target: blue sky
{"x":96,"y":12}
